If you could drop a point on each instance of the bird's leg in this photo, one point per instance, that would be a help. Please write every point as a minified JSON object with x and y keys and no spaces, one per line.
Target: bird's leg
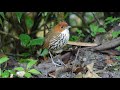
{"x":53,"y":60}
{"x":60,"y":61}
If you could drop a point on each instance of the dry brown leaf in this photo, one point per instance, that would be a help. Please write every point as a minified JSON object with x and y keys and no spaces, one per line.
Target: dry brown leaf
{"x":90,"y":73}
{"x":109,"y":62}
{"x":76,"y":70}
{"x":52,"y":74}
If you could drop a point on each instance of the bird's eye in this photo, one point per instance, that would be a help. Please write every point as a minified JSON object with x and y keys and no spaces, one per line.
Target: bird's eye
{"x":62,"y":27}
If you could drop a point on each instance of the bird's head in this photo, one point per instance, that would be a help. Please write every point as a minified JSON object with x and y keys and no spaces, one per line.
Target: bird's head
{"x":61,"y":27}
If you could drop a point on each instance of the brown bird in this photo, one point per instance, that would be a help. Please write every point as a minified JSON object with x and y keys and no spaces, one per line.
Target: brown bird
{"x":57,"y":38}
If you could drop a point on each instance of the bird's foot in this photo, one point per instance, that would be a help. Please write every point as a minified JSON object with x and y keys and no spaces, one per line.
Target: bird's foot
{"x":61,"y":62}
{"x":56,"y":64}
{"x":58,"y":60}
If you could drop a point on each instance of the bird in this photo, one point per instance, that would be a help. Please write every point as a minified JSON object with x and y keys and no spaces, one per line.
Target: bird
{"x":57,"y":38}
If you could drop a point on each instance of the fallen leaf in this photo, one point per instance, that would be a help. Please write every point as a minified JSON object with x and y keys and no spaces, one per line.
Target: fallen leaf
{"x":109,"y":62}
{"x":90,"y":73}
{"x":52,"y":74}
{"x":77,"y":69}
{"x":79,"y":75}
{"x":90,"y":66}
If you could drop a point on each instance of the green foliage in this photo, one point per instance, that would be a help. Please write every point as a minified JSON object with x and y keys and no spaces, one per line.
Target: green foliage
{"x":96,"y":29}
{"x":26,"y":54}
{"x":79,"y":34}
{"x":110,"y":20}
{"x":34,"y":71}
{"x":74,"y":38}
{"x":29,"y":22}
{"x":19,"y":68}
{"x":29,"y":43}
{"x":5,"y":74}
{"x":45,"y":52}
{"x":3,"y":59}
{"x":38,"y":41}
{"x":2,"y":14}
{"x":31,"y":63}
{"x":115,"y":34}
{"x":28,"y":70}
{"x":25,"y":39}
{"x":117,"y":57}
{"x":12,"y":72}
{"x":28,"y":75}
{"x":118,"y":48}
{"x":19,"y":15}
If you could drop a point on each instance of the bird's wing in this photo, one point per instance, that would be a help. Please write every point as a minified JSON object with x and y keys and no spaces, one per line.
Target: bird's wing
{"x":49,"y":37}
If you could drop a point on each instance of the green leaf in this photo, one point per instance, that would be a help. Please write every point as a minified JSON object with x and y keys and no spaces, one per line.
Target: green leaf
{"x":93,"y":27}
{"x":101,"y":30}
{"x":109,"y":18}
{"x":23,"y":61}
{"x":45,"y":52}
{"x":115,"y":34}
{"x":74,"y":38}
{"x":25,"y":54}
{"x":38,"y":41}
{"x":34,"y":71}
{"x":29,"y":22}
{"x":118,"y":48}
{"x":12,"y":72}
{"x":2,"y":14}
{"x":27,"y":75}
{"x":5,"y":74}
{"x":96,"y":29}
{"x":19,"y":68}
{"x":3,"y":59}
{"x":93,"y":34}
{"x":31,"y":63}
{"x":24,"y":39}
{"x":19,"y":15}
{"x":117,"y":57}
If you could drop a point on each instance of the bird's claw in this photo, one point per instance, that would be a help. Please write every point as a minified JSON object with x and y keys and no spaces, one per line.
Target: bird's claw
{"x":56,"y":64}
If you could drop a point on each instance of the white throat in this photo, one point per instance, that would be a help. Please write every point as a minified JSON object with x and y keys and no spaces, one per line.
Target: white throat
{"x":66,"y":32}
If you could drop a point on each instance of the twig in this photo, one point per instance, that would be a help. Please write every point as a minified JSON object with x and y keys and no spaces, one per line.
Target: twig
{"x":77,"y":54}
{"x":14,"y":55}
{"x":36,"y":23}
{"x":96,"y":18}
{"x":10,"y":35}
{"x":81,"y":43}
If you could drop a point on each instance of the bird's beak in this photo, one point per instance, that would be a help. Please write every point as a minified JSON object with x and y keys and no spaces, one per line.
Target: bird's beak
{"x":69,"y":27}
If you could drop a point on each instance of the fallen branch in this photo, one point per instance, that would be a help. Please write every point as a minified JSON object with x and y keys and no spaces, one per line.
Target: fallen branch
{"x":108,"y":45}
{"x":81,"y":43}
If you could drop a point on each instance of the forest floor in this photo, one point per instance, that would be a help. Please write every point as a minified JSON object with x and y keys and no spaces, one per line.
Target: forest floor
{"x":81,"y":63}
